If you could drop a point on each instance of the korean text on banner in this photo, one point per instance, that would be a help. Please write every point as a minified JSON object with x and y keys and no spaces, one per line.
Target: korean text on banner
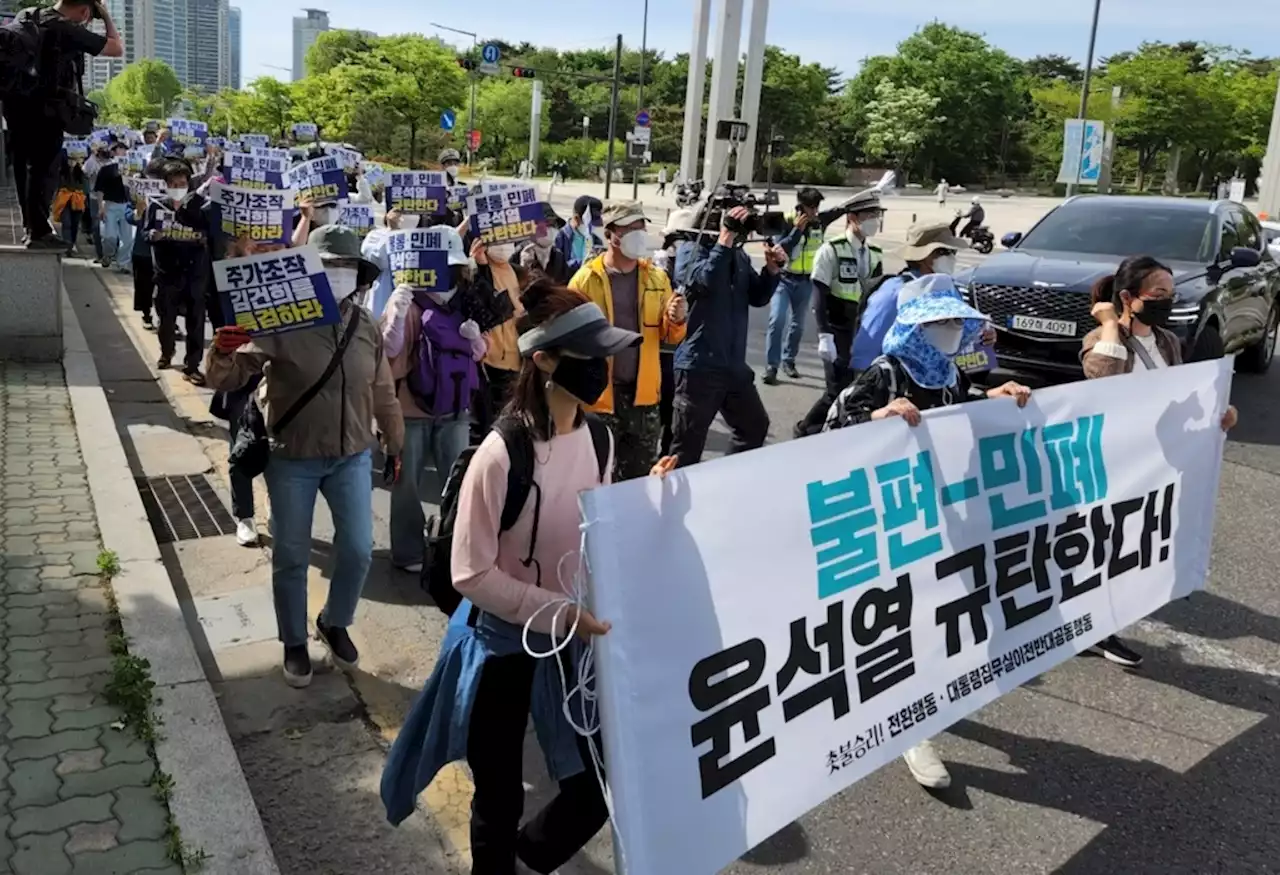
{"x":164,"y":222}
{"x":375,"y":174}
{"x":258,"y":214}
{"x":350,"y":158}
{"x":76,"y":148}
{"x":505,"y":216}
{"x":248,"y":141}
{"x":146,"y":188}
{"x":305,"y":132}
{"x":275,"y":292}
{"x":419,"y":259}
{"x":422,"y":192}
{"x":321,"y":179}
{"x":1072,"y":151}
{"x":357,"y":217}
{"x":268,"y":152}
{"x":978,"y":359}
{"x":909,"y":577}
{"x":188,"y":132}
{"x":457,"y":197}
{"x":252,"y":171}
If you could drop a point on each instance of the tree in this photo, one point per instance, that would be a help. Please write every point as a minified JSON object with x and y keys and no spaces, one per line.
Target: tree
{"x":503,"y":108}
{"x":1160,"y":105}
{"x":899,"y":121}
{"x":1053,"y":67}
{"x":145,"y":89}
{"x":792,"y":94}
{"x":268,"y":107}
{"x":335,"y":47}
{"x":417,"y":79}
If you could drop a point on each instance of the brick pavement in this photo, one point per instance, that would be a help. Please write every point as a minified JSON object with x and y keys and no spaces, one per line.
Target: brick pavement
{"x":76,"y":794}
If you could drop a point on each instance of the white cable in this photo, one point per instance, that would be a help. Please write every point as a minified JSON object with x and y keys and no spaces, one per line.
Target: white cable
{"x":568,"y":608}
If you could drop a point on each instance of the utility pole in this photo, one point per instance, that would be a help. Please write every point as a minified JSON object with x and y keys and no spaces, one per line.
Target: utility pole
{"x":644,"y":45}
{"x":475,"y":74}
{"x":1088,"y":74}
{"x":613,"y":117}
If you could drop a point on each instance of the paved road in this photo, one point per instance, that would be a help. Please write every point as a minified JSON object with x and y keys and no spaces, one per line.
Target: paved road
{"x":1090,"y":769}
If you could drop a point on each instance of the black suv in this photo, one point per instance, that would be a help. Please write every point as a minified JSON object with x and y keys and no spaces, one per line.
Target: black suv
{"x":1037,"y":294}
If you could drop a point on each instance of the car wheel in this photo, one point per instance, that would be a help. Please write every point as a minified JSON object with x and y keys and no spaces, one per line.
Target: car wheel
{"x":1257,"y":358}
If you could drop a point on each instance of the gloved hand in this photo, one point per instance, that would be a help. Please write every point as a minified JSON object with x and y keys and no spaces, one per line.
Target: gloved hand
{"x":827,"y":347}
{"x":469,"y":330}
{"x":401,"y":298}
{"x":528,"y":258}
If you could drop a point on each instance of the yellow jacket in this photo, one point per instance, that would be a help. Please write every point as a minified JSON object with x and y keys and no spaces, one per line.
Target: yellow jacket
{"x":654,"y":292}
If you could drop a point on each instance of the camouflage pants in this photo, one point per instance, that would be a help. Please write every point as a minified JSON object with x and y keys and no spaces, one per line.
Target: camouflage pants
{"x":636,"y":431}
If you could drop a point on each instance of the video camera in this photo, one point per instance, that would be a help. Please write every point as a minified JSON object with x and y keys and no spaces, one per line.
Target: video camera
{"x":761,"y":222}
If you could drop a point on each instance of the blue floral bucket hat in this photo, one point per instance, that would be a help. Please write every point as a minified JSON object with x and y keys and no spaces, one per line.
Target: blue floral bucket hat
{"x":931,"y":298}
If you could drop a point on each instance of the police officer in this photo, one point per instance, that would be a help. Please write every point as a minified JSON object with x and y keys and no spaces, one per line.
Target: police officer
{"x":795,"y":289}
{"x":842,"y":270}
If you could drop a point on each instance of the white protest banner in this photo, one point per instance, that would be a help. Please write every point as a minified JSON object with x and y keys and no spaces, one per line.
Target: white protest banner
{"x":375,"y":174}
{"x":76,"y":148}
{"x":275,"y":292}
{"x":357,"y":217}
{"x":267,"y":152}
{"x":906,"y":578}
{"x":350,"y":158}
{"x":138,"y":158}
{"x":505,"y":216}
{"x":417,"y":191}
{"x":252,"y":171}
{"x":305,"y":131}
{"x":100,"y":137}
{"x":322,"y":180}
{"x":419,"y":259}
{"x":188,"y":132}
{"x":261,"y":215}
{"x":249,"y":141}
{"x":146,"y":188}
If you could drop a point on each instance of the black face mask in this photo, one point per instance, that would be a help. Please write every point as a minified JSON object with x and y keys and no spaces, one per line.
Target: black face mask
{"x":584,"y":379}
{"x":1155,"y":312}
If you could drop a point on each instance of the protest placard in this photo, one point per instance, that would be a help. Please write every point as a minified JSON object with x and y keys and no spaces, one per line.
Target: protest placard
{"x":99,"y":137}
{"x":305,"y":132}
{"x":906,"y":578}
{"x":977,"y":360}
{"x":137,"y":160}
{"x":357,"y":217}
{"x":164,"y":222}
{"x":321,"y":179}
{"x":457,"y":197}
{"x":422,"y":192}
{"x":374,"y":174}
{"x":189,"y":133}
{"x":419,"y":259}
{"x":251,"y":171}
{"x":268,"y":152}
{"x":146,"y":188}
{"x":249,"y":141}
{"x":258,"y":214}
{"x":506,"y":216}
{"x":349,"y":158}
{"x":76,"y":148}
{"x":275,"y":292}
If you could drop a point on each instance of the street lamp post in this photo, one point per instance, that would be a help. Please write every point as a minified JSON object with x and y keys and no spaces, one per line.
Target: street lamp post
{"x":471,"y":123}
{"x":1088,"y":74}
{"x":644,"y":45}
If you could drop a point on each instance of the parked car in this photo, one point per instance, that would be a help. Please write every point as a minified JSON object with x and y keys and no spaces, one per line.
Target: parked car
{"x":1226,"y":280}
{"x":1271,"y":232}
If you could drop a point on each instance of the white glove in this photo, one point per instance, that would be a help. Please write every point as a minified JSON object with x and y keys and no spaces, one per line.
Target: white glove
{"x":393,"y":320}
{"x":469,"y":330}
{"x":401,"y":298}
{"x":827,"y":347}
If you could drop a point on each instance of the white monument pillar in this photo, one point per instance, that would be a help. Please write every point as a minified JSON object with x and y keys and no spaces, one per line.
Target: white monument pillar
{"x":535,"y":124}
{"x":752,"y":80}
{"x":691,"y":147}
{"x":1269,"y":190}
{"x":724,"y":87}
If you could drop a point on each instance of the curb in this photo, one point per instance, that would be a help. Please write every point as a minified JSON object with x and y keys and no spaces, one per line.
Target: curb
{"x":211,"y":802}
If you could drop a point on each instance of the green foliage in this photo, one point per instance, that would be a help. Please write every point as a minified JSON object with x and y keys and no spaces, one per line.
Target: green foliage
{"x":146,"y":89}
{"x":809,"y":165}
{"x":108,"y":563}
{"x":900,"y":120}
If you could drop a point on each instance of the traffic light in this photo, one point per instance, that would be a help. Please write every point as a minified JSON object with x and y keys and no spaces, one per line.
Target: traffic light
{"x":466,"y":63}
{"x":524,"y":73}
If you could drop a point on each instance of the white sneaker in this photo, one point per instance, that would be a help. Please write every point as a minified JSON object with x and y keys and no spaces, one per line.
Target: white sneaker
{"x":926,"y":766}
{"x":411,"y":568}
{"x":247,"y":533}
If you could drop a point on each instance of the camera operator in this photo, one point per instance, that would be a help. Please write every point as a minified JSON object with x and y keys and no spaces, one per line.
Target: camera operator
{"x":711,"y":369}
{"x":37,"y":120}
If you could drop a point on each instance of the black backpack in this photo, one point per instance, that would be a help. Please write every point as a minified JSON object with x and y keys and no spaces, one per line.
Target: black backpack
{"x":437,"y":570}
{"x":21,"y":42}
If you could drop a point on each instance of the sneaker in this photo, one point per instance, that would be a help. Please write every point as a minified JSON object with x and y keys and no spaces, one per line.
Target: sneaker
{"x":194,"y":377}
{"x":789,"y":368}
{"x":147,"y":322}
{"x":247,"y":533}
{"x":926,"y":766}
{"x":344,"y":653}
{"x":297,"y":666}
{"x":411,"y":568}
{"x":1114,"y":650}
{"x":164,"y":363}
{"x":771,"y":376}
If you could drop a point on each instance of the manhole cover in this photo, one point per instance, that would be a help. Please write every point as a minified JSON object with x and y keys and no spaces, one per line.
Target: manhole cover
{"x":184,"y":508}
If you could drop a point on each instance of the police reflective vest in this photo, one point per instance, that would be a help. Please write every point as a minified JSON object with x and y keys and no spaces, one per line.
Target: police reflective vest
{"x":847,"y":283}
{"x":805,"y":252}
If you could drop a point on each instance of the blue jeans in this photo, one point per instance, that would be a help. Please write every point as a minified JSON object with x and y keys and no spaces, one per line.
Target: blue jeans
{"x":117,"y":233}
{"x":438,"y":441}
{"x":346,"y":486}
{"x":71,"y":226}
{"x":793,"y":293}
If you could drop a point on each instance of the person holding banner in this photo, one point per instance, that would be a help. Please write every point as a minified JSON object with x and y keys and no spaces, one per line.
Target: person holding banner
{"x":580,"y":238}
{"x":916,"y":373}
{"x":502,"y":363}
{"x":540,"y":257}
{"x":144,"y":275}
{"x":1132,"y":307}
{"x":374,"y":250}
{"x":180,"y":255}
{"x":478,"y":702}
{"x":69,"y":202}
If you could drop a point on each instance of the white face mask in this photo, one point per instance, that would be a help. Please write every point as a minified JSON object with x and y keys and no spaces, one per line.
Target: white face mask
{"x":453,"y":173}
{"x":544,"y":239}
{"x":321,"y":216}
{"x":176,"y":194}
{"x":442,"y":297}
{"x":634,"y":244}
{"x":342,"y":281}
{"x":870,"y":227}
{"x":502,"y":251}
{"x":409,"y":222}
{"x":944,"y":264}
{"x":945,"y":338}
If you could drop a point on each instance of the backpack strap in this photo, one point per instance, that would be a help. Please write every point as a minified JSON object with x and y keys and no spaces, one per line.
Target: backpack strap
{"x":519,"y":443}
{"x":602,"y":440}
{"x":891,"y":371}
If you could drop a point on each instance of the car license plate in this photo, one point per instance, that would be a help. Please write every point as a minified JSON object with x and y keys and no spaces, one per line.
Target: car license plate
{"x":1056,"y":327}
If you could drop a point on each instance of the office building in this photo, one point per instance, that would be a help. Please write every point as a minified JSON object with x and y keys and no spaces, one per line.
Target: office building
{"x":306,"y":28}
{"x":208,"y":49}
{"x":99,"y":71}
{"x":233,"y":36}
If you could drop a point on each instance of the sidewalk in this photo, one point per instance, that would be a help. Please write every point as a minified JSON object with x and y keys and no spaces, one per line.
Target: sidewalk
{"x":79,"y":792}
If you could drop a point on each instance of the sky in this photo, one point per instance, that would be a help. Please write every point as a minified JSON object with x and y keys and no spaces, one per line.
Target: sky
{"x":837,"y":33}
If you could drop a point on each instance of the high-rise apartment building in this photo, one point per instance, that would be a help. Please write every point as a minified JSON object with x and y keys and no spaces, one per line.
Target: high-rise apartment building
{"x":233,"y":36}
{"x":305,"y":30}
{"x":99,"y":71}
{"x":208,"y":48}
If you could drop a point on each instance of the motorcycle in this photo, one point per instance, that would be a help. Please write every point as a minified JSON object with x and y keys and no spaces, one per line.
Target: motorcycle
{"x":981,"y":237}
{"x":689,"y":193}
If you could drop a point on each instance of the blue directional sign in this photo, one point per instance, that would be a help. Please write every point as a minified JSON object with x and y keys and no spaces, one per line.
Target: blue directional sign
{"x":491,"y":54}
{"x":448,"y":119}
{"x":642,"y":118}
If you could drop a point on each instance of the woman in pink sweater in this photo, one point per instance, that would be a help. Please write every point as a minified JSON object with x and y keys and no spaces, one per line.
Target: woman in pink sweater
{"x":485,"y":685}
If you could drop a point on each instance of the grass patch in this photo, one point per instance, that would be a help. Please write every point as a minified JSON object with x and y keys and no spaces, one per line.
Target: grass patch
{"x":190,"y":859}
{"x":108,"y":563}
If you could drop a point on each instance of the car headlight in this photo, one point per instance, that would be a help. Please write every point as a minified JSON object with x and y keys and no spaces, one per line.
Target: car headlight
{"x":1184,"y":314}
